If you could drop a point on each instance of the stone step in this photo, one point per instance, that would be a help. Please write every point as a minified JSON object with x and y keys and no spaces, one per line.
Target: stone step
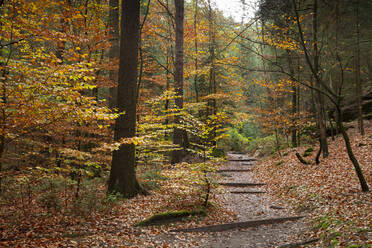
{"x":242,"y":159}
{"x":247,"y":192}
{"x":234,"y":170}
{"x":235,"y":225}
{"x":240,"y":184}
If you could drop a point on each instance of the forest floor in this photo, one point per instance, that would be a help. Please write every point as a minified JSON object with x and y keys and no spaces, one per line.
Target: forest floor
{"x":328,"y":195}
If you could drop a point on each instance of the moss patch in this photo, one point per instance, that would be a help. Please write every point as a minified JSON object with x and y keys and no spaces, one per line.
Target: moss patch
{"x":170,"y":216}
{"x":279,"y":163}
{"x":308,"y":152}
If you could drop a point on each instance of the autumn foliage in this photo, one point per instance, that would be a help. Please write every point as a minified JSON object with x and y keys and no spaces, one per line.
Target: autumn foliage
{"x":261,"y":86}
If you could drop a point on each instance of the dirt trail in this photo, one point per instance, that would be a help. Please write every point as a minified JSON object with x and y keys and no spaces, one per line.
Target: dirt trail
{"x":253,"y":206}
{"x":256,"y":205}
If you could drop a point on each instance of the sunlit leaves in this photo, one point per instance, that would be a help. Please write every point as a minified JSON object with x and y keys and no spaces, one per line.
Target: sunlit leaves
{"x":52,"y":65}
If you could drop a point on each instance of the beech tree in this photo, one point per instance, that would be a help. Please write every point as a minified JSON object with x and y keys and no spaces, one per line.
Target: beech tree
{"x":114,"y":49}
{"x":122,"y":175}
{"x":178,"y":134}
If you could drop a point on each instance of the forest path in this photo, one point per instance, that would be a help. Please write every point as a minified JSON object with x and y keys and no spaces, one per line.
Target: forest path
{"x":252,"y":206}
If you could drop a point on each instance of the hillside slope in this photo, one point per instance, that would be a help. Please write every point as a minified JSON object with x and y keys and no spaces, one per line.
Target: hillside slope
{"x":329,"y":193}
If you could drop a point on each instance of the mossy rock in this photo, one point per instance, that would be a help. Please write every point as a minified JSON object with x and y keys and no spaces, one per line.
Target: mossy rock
{"x":172,"y":216}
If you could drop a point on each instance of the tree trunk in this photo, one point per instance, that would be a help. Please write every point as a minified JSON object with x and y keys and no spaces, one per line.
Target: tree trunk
{"x":294,"y":101}
{"x":196,"y":51}
{"x":141,"y":62}
{"x":298,"y":98}
{"x":358,"y":170}
{"x":3,"y":119}
{"x":4,"y":102}
{"x":212,"y":53}
{"x":301,"y":159}
{"x":167,"y":86}
{"x":319,"y":98}
{"x":357,"y":72}
{"x":178,"y":134}
{"x":114,"y":49}
{"x":122,"y":175}
{"x":277,"y":142}
{"x":170,"y":60}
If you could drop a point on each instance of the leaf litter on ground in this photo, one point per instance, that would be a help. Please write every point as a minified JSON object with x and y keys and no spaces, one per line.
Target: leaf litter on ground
{"x":329,"y":193}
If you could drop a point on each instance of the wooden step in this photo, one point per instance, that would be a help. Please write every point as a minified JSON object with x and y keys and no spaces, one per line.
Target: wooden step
{"x":242,"y":160}
{"x":247,"y":192}
{"x":234,"y":170}
{"x":235,"y":225}
{"x":247,"y":164}
{"x":241,"y":184}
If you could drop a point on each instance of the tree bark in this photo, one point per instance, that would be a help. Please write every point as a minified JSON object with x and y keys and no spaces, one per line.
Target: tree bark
{"x":122,"y":175}
{"x":114,"y":49}
{"x":196,"y":51}
{"x":178,"y":134}
{"x":315,"y":71}
{"x":358,"y":170}
{"x":294,"y":101}
{"x":170,"y":60}
{"x":212,"y":53}
{"x":3,"y":118}
{"x":357,"y":72}
{"x":301,"y":159}
{"x":319,"y":97}
{"x":141,"y":62}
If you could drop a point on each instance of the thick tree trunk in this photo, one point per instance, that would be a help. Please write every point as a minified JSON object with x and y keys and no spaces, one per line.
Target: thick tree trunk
{"x":122,"y":176}
{"x":178,"y":134}
{"x":114,"y":49}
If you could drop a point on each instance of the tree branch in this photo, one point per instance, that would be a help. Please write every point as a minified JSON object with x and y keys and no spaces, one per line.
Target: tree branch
{"x":10,"y":43}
